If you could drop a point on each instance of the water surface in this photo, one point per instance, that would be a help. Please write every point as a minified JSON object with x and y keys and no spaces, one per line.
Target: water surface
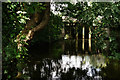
{"x":71,"y":60}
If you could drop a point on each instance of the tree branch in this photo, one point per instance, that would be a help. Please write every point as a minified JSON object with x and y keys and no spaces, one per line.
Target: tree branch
{"x":32,"y":22}
{"x":44,"y":20}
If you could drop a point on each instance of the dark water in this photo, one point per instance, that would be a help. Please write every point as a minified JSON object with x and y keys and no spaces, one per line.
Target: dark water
{"x":69,"y":60}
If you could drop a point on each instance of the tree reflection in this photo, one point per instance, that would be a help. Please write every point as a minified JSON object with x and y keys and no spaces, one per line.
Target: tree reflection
{"x":72,"y":67}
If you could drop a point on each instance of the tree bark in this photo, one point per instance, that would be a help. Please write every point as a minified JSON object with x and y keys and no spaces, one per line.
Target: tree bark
{"x":36,"y":19}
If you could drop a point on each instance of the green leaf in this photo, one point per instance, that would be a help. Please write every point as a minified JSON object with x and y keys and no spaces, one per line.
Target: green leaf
{"x":9,"y":76}
{"x":5,"y":72}
{"x":18,"y":56}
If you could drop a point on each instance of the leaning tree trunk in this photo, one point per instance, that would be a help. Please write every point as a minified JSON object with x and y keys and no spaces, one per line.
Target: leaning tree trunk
{"x":37,"y":18}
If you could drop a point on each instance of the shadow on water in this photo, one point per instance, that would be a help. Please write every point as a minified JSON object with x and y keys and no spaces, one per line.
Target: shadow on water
{"x":62,"y":61}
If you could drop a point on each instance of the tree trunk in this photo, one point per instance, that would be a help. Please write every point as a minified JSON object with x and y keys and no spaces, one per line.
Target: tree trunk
{"x":37,"y":18}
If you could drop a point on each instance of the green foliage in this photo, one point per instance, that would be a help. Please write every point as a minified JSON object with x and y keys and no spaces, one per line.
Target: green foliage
{"x":97,"y":16}
{"x":114,"y":44}
{"x":51,"y":32}
{"x":34,"y":7}
{"x":14,"y":18}
{"x":55,"y":26}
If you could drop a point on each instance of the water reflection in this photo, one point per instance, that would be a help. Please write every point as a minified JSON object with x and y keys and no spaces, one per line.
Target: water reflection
{"x":62,"y":61}
{"x":84,"y":62}
{"x":70,"y":65}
